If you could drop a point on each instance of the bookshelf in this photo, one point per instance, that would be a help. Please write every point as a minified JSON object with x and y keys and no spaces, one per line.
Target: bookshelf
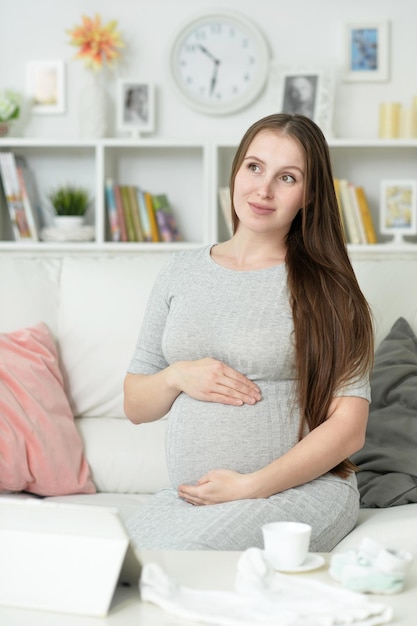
{"x":190,"y":173}
{"x":179,"y":169}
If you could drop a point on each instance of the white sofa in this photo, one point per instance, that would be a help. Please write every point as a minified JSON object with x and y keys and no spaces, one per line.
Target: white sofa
{"x":93,"y":304}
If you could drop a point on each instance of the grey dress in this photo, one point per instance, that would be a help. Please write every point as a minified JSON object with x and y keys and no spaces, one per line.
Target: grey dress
{"x":243,"y":318}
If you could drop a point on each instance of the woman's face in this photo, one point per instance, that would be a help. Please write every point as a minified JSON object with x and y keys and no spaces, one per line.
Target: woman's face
{"x":269,"y":185}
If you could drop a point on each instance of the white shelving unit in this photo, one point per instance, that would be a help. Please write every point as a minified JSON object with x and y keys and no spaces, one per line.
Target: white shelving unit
{"x":190,"y":173}
{"x":179,"y":169}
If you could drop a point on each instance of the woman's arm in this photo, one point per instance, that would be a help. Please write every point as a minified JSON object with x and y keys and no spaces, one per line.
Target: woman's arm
{"x":342,"y":434}
{"x":148,"y":397}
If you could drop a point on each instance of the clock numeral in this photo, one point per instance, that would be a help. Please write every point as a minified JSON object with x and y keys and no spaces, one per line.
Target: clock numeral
{"x":189,"y":48}
{"x":245,"y":42}
{"x":216,"y":28}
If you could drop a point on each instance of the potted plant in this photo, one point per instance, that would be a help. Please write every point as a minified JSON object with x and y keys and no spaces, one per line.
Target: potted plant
{"x":70,"y":204}
{"x":9,"y":110}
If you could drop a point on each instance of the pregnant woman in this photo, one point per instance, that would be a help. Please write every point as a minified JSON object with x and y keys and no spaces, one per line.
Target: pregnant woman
{"x":259,"y":350}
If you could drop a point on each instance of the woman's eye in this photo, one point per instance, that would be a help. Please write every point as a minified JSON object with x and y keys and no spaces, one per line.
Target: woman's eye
{"x":287,"y":178}
{"x":254,"y":167}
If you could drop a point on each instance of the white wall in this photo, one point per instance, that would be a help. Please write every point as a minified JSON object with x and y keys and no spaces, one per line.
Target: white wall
{"x":306,"y":33}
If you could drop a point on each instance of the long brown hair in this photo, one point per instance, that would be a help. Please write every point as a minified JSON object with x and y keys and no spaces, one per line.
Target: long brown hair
{"x":332,"y":320}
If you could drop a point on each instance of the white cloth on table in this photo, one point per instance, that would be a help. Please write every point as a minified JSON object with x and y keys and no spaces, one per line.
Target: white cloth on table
{"x":262,"y":596}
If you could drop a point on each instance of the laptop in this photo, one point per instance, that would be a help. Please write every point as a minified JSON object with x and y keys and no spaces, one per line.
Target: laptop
{"x":63,"y":557}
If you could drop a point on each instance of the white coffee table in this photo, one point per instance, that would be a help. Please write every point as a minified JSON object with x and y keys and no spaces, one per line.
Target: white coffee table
{"x":204,"y":570}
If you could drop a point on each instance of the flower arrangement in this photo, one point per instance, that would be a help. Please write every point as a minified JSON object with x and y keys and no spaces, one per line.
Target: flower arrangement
{"x":9,"y":106}
{"x":99,"y":44}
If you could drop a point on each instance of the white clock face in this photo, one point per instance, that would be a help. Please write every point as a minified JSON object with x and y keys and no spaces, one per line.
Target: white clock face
{"x":219,"y":63}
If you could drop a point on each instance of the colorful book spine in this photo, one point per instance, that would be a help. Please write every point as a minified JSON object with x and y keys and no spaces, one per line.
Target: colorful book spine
{"x":336,"y":182}
{"x":152,"y":218}
{"x":20,"y":226}
{"x":130,"y":228}
{"x":348,"y":213}
{"x":167,"y":225}
{"x":226,"y":208}
{"x":366,"y":216}
{"x":115,"y":231}
{"x":120,"y":212}
{"x":6,"y":197}
{"x":134,"y":209}
{"x":144,"y":217}
{"x":357,"y":213}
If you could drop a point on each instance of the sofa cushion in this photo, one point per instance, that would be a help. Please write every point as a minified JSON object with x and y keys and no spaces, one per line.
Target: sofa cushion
{"x":388,"y":460}
{"x":40,"y":449}
{"x":123,"y":457}
{"x":30,"y":292}
{"x":102,"y":302}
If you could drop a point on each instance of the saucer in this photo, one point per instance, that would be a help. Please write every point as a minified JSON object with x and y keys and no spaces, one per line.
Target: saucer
{"x":312,"y":561}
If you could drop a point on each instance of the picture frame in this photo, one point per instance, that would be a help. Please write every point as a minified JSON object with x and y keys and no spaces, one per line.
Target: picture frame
{"x":366,"y":53}
{"x":398,"y":208}
{"x":305,"y":90}
{"x":45,"y":85}
{"x":135,"y":106}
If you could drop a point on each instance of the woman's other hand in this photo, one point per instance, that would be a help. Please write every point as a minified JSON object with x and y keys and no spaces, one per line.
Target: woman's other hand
{"x":217,"y":486}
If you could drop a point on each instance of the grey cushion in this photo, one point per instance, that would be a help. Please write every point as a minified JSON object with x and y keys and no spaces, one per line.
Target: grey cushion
{"x":388,"y":461}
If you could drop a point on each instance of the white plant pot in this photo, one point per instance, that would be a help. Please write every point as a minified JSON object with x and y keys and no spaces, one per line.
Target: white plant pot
{"x":68,"y":221}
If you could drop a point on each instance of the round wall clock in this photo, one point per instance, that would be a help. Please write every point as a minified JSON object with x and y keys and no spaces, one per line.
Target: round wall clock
{"x":219,"y":62}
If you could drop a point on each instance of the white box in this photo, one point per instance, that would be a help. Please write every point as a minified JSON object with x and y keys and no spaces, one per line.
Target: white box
{"x":61,"y":557}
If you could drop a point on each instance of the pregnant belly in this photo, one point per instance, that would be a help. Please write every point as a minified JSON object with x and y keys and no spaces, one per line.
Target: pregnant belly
{"x":203,"y":435}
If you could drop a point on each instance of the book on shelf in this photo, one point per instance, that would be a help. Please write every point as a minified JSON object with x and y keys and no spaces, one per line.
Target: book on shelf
{"x":127,"y":212}
{"x":357,"y":217}
{"x":136,"y":215}
{"x":366,"y":216}
{"x":354,"y":203}
{"x":115,"y":231}
{"x":120,"y":212}
{"x":152,"y":217}
{"x":6,"y":227}
{"x":134,"y":209}
{"x":226,"y":207}
{"x":165,"y":218}
{"x":144,"y":216}
{"x":349,"y":213}
{"x":30,"y":195}
{"x":336,"y":182}
{"x":21,"y":228}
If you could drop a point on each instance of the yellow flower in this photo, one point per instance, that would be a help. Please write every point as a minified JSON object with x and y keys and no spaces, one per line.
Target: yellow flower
{"x":98,"y":43}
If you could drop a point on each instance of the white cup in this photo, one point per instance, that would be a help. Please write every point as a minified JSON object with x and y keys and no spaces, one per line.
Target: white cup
{"x":286,"y":543}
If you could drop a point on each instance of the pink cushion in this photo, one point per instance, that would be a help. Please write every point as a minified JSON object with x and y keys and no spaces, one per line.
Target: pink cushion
{"x":40,"y":449}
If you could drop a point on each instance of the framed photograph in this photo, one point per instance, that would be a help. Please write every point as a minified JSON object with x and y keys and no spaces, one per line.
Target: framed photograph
{"x":135,"y":106}
{"x":366,"y":52}
{"x":307,"y":91}
{"x":398,"y":214}
{"x":46,"y":86}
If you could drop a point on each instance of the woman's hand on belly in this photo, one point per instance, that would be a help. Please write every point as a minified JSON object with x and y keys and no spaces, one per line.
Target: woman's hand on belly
{"x":217,"y":486}
{"x":210,"y":380}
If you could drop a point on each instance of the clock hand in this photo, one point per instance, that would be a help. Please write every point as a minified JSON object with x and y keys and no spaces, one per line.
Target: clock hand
{"x":214,"y":77}
{"x":216,"y":67}
{"x":205,"y":51}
